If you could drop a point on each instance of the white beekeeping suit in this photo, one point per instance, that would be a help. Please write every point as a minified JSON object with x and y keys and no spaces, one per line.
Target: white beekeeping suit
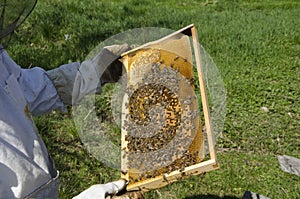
{"x":26,"y":168}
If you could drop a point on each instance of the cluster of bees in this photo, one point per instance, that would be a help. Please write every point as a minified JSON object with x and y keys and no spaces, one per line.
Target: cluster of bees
{"x":161,"y":122}
{"x":140,"y":105}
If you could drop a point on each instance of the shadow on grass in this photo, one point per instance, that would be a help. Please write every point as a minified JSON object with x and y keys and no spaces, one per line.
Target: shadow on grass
{"x":210,"y":197}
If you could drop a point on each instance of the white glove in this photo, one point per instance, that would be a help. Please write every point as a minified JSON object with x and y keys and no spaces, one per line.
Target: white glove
{"x":103,"y":68}
{"x":109,"y":68}
{"x":100,"y":191}
{"x":75,"y":80}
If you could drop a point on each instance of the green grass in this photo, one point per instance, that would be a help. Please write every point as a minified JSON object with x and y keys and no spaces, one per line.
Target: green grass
{"x":255,"y":45}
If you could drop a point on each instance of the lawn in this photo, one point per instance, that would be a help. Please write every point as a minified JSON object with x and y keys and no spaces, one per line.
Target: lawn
{"x":256,"y":47}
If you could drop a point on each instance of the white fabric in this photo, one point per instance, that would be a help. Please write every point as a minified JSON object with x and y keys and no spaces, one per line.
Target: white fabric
{"x":25,"y":165}
{"x":99,"y":191}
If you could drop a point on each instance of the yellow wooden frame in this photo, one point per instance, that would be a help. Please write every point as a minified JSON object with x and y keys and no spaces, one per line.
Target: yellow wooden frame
{"x":196,"y":169}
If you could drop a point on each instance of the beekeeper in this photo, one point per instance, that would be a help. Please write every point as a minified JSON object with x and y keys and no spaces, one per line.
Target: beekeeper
{"x":26,"y":168}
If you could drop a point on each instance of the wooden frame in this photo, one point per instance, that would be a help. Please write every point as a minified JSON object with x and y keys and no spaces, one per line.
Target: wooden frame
{"x":196,"y":169}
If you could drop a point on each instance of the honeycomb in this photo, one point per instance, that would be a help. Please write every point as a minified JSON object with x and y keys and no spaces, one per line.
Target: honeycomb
{"x":161,"y":125}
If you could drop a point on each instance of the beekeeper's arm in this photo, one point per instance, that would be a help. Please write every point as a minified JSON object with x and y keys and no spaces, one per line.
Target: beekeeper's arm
{"x":74,"y":81}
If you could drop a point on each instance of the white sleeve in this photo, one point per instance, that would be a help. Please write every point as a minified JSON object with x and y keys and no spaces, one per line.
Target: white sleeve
{"x":39,"y":91}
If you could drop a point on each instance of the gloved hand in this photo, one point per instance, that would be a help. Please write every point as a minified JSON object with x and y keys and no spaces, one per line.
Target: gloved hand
{"x":100,"y":191}
{"x":75,"y":80}
{"x":103,"y":68}
{"x":109,"y":67}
